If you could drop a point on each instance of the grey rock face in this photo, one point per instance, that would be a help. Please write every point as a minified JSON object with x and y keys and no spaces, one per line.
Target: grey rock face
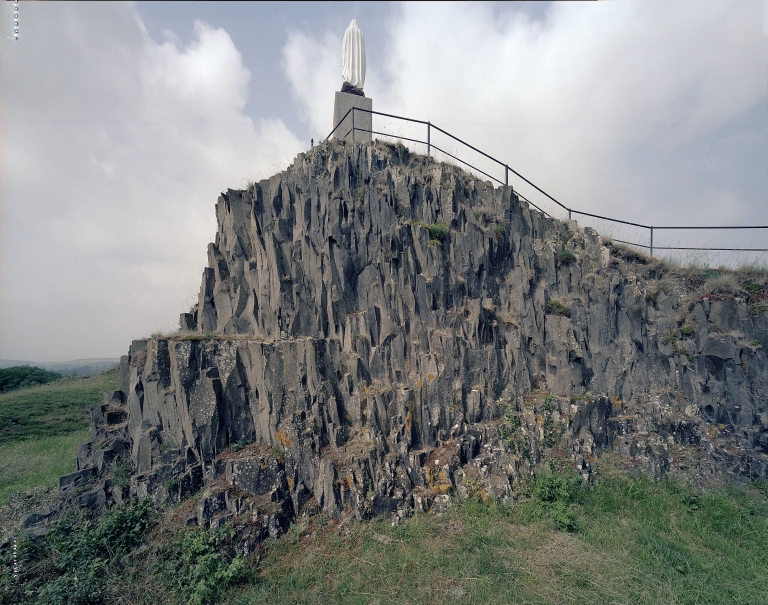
{"x":390,"y":331}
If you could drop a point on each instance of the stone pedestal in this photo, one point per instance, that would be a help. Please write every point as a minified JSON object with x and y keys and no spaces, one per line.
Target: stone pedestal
{"x":344,"y":102}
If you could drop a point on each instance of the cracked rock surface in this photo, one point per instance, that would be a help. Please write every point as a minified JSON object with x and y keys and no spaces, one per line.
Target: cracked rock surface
{"x":377,"y":332}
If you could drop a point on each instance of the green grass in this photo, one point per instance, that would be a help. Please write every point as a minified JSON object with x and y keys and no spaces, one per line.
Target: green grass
{"x":632,"y":540}
{"x":41,"y":426}
{"x":33,"y":462}
{"x":54,"y":409}
{"x":638,"y":541}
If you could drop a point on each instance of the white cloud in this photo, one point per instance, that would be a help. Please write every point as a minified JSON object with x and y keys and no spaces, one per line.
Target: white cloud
{"x":116,"y":149}
{"x":605,"y":105}
{"x":314,"y":70}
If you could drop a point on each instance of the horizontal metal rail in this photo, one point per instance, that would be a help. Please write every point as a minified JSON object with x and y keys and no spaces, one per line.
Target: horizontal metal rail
{"x":507,"y":170}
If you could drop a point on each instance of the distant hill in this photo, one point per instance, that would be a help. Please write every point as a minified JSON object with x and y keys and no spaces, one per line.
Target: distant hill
{"x":83,"y":367}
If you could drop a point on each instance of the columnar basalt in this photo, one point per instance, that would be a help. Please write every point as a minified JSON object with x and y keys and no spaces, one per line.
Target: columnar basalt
{"x":376,"y":332}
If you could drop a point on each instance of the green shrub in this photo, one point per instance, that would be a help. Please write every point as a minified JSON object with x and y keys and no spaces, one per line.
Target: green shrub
{"x":554,"y":492}
{"x":756,"y":310}
{"x":83,"y":552}
{"x":435,"y":242}
{"x":499,"y":230}
{"x":438,"y":231}
{"x":19,"y":377}
{"x":566,"y":257}
{"x":687,"y":330}
{"x":555,"y":307}
{"x":194,"y":568}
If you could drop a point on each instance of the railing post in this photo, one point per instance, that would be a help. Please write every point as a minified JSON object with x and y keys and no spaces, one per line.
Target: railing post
{"x":353,"y":124}
{"x":569,"y":214}
{"x":429,"y":140}
{"x":506,"y":175}
{"x":651,"y":242}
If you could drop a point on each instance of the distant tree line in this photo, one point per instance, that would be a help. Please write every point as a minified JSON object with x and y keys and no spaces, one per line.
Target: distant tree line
{"x":25,"y":376}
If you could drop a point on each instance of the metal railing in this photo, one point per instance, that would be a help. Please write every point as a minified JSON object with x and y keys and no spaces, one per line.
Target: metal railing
{"x":430,"y":146}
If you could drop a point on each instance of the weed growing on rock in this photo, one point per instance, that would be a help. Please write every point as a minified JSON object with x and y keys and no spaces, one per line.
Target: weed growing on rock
{"x":555,"y":307}
{"x":238,"y":445}
{"x":438,"y":231}
{"x":499,"y":231}
{"x":510,"y":433}
{"x":120,"y":471}
{"x":687,"y":330}
{"x":566,"y":257}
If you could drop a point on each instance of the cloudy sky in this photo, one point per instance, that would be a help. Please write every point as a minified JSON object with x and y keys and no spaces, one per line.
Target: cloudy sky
{"x":121,"y":123}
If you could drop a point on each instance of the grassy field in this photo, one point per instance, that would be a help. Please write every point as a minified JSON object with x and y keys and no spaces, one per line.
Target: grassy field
{"x":41,"y":426}
{"x":53,"y":409}
{"x":637,"y":541}
{"x":33,"y":462}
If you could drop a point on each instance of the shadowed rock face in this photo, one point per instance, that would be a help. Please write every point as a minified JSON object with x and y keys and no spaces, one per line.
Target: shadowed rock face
{"x":375,"y":365}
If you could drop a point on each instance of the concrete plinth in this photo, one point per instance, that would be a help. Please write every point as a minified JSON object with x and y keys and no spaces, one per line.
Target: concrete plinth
{"x":344,"y":102}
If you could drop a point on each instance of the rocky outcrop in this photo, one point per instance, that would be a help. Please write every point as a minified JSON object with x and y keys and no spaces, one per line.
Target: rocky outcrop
{"x":376,"y":332}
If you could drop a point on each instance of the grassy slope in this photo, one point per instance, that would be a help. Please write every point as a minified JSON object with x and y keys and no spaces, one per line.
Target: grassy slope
{"x":639,"y":542}
{"x":53,"y":409}
{"x":40,"y":428}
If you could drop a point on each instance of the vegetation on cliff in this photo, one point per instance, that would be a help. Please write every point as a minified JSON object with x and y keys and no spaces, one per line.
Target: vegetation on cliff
{"x":625,"y":538}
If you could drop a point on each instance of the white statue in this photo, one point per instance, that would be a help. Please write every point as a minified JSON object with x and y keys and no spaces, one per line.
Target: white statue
{"x":353,"y":60}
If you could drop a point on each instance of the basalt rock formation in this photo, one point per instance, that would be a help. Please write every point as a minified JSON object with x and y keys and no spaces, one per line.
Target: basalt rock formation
{"x":377,"y":332}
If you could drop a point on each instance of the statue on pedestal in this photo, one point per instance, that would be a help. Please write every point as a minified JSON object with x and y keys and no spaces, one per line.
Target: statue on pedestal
{"x":352,"y":117}
{"x":353,"y":60}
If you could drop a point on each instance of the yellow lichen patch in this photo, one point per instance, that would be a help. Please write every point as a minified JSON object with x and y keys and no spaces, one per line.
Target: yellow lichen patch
{"x":711,"y":432}
{"x":539,"y":420}
{"x":283,"y":438}
{"x":430,"y":377}
{"x":616,"y":401}
{"x":420,"y":382}
{"x":367,"y":390}
{"x":290,"y":483}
